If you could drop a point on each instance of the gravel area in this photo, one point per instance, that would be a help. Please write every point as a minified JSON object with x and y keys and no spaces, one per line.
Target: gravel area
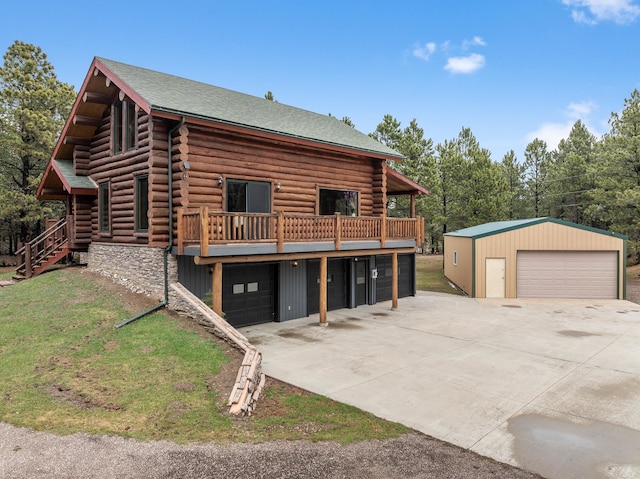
{"x":29,"y":454}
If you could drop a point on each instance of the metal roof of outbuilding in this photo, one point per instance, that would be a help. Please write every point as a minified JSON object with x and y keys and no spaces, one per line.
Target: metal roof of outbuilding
{"x":496,"y":227}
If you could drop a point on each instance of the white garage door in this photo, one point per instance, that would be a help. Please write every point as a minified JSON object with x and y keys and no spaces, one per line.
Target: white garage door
{"x":567,"y":274}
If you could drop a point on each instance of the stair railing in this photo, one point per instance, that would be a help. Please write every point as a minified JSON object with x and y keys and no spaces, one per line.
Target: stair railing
{"x":37,"y":250}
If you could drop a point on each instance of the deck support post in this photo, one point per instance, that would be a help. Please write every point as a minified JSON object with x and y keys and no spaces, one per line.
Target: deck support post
{"x":204,"y":231}
{"x":28,"y":267}
{"x":216,"y":288}
{"x":280,"y":231}
{"x":394,"y":281}
{"x":323,"y":291}
{"x":181,"y":232}
{"x":383,"y":230}
{"x":338,"y":230}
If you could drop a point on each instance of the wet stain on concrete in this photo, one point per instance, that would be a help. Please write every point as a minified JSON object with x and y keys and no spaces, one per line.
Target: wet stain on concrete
{"x":353,"y":318}
{"x":559,"y":449}
{"x":511,"y":306}
{"x":381,"y":314}
{"x":344,"y":325}
{"x":294,"y":334}
{"x":576,"y":334}
{"x":629,"y":389}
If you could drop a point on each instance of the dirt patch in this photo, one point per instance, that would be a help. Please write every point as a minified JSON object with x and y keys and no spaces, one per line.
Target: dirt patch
{"x":132,"y":302}
{"x":633,"y":292}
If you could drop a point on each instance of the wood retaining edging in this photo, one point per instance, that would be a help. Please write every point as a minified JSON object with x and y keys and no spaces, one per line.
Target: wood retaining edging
{"x":250,"y":379}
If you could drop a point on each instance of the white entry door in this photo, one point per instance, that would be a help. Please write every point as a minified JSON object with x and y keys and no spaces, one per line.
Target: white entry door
{"x":495,"y":283}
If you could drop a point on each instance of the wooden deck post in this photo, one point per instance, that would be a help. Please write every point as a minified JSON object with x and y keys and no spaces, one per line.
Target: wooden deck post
{"x":394,"y":281}
{"x":180,"y":227}
{"x":204,"y":231}
{"x":323,"y":291}
{"x":338,"y":230}
{"x":28,"y":271}
{"x":383,"y":230}
{"x":412,"y":206}
{"x":216,"y":289}
{"x":280,"y":232}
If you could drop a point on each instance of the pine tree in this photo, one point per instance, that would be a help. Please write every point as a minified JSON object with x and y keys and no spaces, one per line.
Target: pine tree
{"x":33,"y":107}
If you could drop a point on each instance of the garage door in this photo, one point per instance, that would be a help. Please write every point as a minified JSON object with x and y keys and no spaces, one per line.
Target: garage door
{"x":406,"y":275}
{"x":567,"y":274}
{"x":248,"y":293}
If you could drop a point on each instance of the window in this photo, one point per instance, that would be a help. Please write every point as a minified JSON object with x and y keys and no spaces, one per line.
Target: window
{"x":248,"y":196}
{"x":338,"y":201}
{"x":455,"y":258}
{"x":104,"y":218}
{"x":142,"y":203}
{"x":124,"y":126}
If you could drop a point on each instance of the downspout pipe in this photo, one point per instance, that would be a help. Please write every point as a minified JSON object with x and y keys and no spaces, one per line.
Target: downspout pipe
{"x":169,"y":246}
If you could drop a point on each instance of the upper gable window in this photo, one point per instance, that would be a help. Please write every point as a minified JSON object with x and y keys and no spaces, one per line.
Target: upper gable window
{"x":125,"y":126}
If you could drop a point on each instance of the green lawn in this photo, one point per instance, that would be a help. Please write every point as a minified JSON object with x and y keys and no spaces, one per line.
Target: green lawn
{"x":65,"y":369}
{"x":430,"y":275}
{"x":6,"y":272}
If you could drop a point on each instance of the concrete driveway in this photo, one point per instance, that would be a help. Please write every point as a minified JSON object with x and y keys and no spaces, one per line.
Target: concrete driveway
{"x":552,"y":386}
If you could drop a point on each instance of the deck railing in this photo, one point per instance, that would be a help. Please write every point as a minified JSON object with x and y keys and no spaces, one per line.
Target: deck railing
{"x":34,"y":253}
{"x":203,"y":227}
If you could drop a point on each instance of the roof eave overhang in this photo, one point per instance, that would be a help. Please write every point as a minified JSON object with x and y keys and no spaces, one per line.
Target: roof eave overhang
{"x":269,"y":134}
{"x":44,"y":193}
{"x":96,"y":68}
{"x":409,"y":186}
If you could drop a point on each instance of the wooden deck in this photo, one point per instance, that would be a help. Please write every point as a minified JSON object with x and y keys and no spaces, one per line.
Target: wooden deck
{"x":203,"y":228}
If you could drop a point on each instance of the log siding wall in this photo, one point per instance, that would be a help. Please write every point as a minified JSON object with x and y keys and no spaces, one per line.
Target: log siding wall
{"x":212,"y":153}
{"x":300,"y":172}
{"x":120,"y":170}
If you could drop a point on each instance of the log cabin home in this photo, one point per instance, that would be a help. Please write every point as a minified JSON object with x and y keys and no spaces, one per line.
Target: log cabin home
{"x":269,"y":211}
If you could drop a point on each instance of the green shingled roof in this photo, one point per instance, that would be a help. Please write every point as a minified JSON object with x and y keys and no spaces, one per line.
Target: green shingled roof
{"x":70,"y":179}
{"x":488,"y":229}
{"x":172,"y":94}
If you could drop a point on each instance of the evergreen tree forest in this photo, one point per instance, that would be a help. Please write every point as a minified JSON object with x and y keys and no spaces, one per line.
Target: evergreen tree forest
{"x":587,"y":180}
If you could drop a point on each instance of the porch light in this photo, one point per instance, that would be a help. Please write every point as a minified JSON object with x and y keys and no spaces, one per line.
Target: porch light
{"x":220,"y":180}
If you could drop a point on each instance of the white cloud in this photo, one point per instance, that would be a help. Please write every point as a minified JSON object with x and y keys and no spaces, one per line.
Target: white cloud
{"x":476,"y":41}
{"x":425,"y":51}
{"x":580,"y":110}
{"x":468,"y":64}
{"x":591,"y":12}
{"x":552,"y":132}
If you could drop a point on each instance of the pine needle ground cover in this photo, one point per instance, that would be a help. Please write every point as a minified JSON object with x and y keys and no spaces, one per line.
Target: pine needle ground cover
{"x":65,"y":369}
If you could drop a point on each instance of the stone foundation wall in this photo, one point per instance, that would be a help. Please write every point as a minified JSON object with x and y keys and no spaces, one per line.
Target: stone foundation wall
{"x":136,"y":267}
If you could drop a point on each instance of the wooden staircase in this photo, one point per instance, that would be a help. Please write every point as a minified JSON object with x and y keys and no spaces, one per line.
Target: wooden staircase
{"x":44,"y":251}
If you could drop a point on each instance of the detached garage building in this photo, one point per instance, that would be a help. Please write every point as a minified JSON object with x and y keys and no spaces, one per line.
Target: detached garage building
{"x":536,"y":258}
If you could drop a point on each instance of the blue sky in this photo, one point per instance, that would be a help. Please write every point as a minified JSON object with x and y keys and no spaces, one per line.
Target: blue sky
{"x":511,"y":70}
